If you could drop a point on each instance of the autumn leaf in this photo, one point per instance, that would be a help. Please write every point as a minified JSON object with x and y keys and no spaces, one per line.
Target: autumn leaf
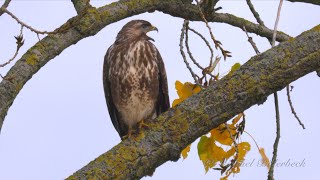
{"x":221,"y":134}
{"x":185,"y":91}
{"x":209,"y":153}
{"x":218,"y":149}
{"x":185,"y":152}
{"x":265,"y":159}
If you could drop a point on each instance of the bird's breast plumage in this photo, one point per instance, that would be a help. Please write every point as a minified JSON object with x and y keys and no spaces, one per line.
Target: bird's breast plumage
{"x":135,"y":80}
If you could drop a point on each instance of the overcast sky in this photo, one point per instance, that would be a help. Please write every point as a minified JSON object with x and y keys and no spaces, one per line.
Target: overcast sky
{"x":59,"y":122}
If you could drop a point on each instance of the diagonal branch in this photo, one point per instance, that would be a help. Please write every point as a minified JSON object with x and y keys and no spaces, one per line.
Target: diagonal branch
{"x":316,"y":2}
{"x":80,"y":5}
{"x":255,"y":13}
{"x":171,"y":132}
{"x":91,"y":22}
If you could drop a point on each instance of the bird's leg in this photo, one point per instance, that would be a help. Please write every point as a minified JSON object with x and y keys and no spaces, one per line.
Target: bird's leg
{"x":141,"y":124}
{"x":128,"y":136}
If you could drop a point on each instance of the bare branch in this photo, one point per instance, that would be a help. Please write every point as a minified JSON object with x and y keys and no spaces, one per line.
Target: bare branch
{"x":276,"y":142}
{"x":316,"y":2}
{"x":212,"y":63}
{"x":24,"y":24}
{"x":189,"y":51}
{"x":19,"y":43}
{"x":292,"y":108}
{"x":183,"y":31}
{"x":216,"y":42}
{"x":257,"y":16}
{"x":81,"y":5}
{"x":255,"y":13}
{"x":253,"y":44}
{"x":172,"y":131}
{"x":276,"y":24}
{"x":4,"y":6}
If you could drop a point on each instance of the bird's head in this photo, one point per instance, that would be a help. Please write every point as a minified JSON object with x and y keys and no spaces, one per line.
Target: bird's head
{"x":136,"y":29}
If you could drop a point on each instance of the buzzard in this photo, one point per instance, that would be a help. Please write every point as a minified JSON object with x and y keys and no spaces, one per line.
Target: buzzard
{"x":134,"y":78}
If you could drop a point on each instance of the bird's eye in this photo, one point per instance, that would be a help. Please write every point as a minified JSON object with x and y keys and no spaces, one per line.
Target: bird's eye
{"x":144,"y":26}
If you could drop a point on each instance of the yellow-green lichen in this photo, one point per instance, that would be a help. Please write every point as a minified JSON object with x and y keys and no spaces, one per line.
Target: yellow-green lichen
{"x":32,"y":59}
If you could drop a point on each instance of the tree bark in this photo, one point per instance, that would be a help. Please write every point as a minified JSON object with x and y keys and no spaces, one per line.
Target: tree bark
{"x":80,"y":5}
{"x":5,"y":5}
{"x":89,"y":23}
{"x":316,"y":2}
{"x":171,"y":132}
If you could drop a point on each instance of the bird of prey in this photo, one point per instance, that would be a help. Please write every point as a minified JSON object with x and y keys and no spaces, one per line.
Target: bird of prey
{"x":134,"y":79}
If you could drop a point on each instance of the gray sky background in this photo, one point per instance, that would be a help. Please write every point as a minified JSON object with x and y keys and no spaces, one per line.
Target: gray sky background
{"x":59,"y":122}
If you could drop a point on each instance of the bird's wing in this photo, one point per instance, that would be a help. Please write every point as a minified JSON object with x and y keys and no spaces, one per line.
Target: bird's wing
{"x":113,"y":112}
{"x":163,"y":103}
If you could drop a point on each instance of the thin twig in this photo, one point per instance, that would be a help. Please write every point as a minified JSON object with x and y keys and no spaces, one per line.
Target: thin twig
{"x":216,"y":42}
{"x":257,"y":16}
{"x":292,"y":108}
{"x":276,"y":102}
{"x":190,"y":53}
{"x":24,"y":24}
{"x":255,"y":13}
{"x":188,"y":48}
{"x":276,"y":24}
{"x":276,"y":142}
{"x":253,"y":44}
{"x":205,"y":40}
{"x":183,"y":29}
{"x":235,"y":146}
{"x":252,"y":139}
{"x":19,"y":42}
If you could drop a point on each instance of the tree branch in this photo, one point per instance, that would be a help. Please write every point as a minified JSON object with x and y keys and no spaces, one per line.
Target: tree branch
{"x":171,"y":132}
{"x":91,"y":22}
{"x":4,"y":6}
{"x":316,"y":2}
{"x":255,"y":13}
{"x":80,"y":5}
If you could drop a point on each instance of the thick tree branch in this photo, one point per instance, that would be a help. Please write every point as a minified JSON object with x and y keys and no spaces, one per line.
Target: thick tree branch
{"x":92,"y":21}
{"x":171,"y":132}
{"x":80,"y":5}
{"x":316,"y":2}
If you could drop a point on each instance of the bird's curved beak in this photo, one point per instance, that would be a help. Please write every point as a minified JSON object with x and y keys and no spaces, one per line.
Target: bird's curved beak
{"x":153,"y":28}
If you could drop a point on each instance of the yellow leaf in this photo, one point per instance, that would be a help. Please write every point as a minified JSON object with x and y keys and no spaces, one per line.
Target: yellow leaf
{"x":265,"y":159}
{"x":184,"y":91}
{"x":176,"y":102}
{"x":222,"y":135}
{"x":185,"y":152}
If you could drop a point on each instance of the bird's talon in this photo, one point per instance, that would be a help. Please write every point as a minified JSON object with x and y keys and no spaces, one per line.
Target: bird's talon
{"x":142,"y":124}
